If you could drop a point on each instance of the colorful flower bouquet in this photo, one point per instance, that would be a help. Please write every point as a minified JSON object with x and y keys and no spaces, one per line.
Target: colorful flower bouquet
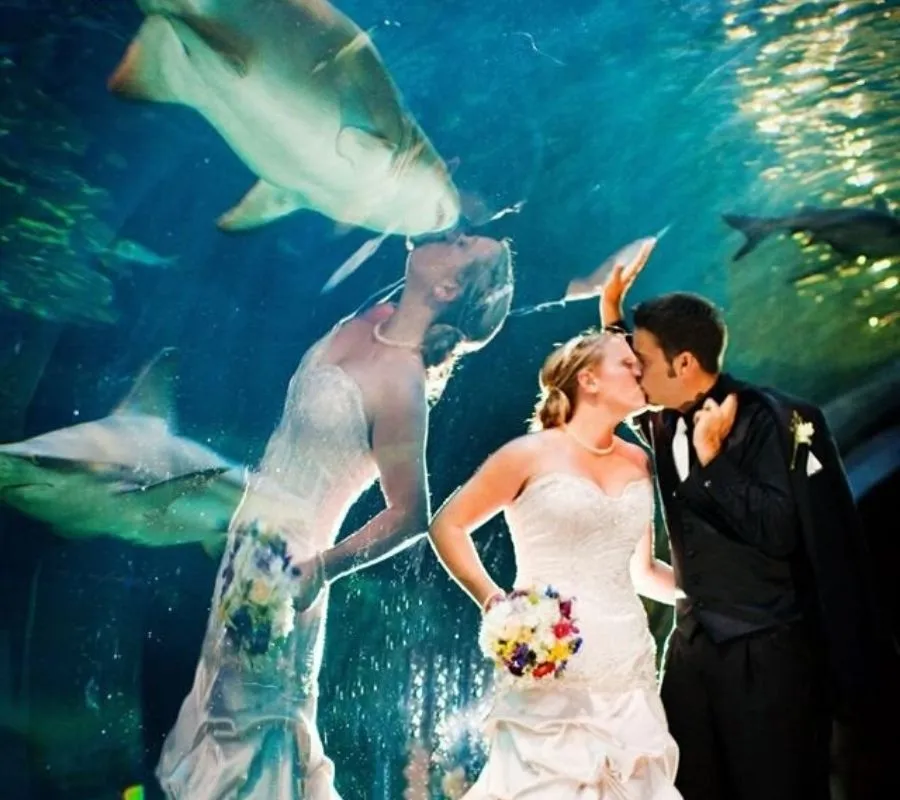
{"x":531,"y":633}
{"x":257,"y":598}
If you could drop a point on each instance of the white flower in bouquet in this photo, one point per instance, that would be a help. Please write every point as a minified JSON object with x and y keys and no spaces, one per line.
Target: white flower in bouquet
{"x":531,"y":632}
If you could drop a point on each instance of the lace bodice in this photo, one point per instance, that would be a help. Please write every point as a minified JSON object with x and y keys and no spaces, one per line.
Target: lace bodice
{"x":569,"y":533}
{"x":318,"y":461}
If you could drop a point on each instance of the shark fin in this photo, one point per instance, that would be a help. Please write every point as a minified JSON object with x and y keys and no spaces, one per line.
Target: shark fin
{"x":151,"y":393}
{"x":880,"y":204}
{"x":145,"y":71}
{"x":164,"y":493}
{"x":366,"y":94}
{"x":264,"y":203}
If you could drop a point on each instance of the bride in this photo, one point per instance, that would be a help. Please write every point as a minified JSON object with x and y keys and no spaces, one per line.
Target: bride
{"x":579,"y":504}
{"x":355,"y":412}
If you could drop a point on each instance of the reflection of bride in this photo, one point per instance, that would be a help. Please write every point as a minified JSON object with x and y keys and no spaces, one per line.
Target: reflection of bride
{"x":579,"y":505}
{"x":355,"y":411}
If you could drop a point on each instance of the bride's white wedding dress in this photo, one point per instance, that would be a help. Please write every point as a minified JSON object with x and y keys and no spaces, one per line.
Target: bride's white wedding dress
{"x":599,"y":731}
{"x":249,"y":732}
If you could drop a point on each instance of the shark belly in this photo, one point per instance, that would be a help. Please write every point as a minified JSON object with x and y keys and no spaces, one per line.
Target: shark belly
{"x":303,"y":102}
{"x":290,"y":144}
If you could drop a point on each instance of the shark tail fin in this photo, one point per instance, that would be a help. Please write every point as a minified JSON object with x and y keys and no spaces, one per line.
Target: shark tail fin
{"x":755,"y":229}
{"x":146,"y":70}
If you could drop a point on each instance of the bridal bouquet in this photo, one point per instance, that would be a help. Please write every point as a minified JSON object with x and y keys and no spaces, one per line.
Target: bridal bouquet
{"x":257,"y":597}
{"x":531,"y":633}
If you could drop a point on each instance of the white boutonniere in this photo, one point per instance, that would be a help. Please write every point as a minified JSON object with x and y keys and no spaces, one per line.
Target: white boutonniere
{"x":802,"y":432}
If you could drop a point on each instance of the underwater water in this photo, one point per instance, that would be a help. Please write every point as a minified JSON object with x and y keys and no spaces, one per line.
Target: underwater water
{"x":580,"y":125}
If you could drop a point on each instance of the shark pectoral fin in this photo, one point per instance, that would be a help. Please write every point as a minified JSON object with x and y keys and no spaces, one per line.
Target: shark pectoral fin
{"x":163,"y":493}
{"x":145,"y":71}
{"x":264,"y":203}
{"x":225,"y":41}
{"x":358,"y":146}
{"x":368,"y":96}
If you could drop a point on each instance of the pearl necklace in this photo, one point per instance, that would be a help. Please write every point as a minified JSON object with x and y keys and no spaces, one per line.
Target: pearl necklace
{"x":597,"y":451}
{"x":382,"y":339}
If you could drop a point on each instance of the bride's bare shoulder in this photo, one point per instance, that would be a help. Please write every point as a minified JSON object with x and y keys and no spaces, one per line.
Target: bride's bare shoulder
{"x":530,"y":445}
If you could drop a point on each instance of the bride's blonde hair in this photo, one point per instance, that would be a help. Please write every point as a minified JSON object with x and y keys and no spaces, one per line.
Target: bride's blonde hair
{"x":558,"y":379}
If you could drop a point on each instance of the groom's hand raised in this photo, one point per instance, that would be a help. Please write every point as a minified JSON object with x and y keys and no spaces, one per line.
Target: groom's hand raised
{"x":712,"y":424}
{"x":619,"y":282}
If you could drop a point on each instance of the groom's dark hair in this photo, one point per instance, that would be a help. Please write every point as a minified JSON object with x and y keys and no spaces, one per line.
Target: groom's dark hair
{"x":685,"y":322}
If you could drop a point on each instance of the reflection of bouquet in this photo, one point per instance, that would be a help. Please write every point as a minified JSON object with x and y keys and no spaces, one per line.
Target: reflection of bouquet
{"x":531,"y":633}
{"x":257,"y":598}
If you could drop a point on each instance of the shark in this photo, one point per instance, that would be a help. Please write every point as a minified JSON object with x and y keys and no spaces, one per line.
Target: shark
{"x":851,"y":232}
{"x":128,"y":475}
{"x":301,"y":95}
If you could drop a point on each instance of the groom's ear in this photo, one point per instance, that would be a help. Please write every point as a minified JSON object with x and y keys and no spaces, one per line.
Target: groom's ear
{"x":684,"y":364}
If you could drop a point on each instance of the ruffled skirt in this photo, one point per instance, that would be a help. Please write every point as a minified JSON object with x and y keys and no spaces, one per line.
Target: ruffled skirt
{"x":575,"y":744}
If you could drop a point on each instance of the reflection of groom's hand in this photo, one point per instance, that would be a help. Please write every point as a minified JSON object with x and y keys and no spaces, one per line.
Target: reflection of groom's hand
{"x":712,"y":423}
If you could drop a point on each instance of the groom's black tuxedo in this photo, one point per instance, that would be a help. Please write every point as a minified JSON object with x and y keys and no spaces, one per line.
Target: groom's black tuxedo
{"x":812,"y":517}
{"x":778,"y":629}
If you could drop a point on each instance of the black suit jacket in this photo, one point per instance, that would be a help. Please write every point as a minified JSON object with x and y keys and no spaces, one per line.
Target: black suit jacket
{"x":832,"y":568}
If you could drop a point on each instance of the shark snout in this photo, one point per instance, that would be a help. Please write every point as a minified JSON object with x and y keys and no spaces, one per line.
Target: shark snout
{"x":447,"y":214}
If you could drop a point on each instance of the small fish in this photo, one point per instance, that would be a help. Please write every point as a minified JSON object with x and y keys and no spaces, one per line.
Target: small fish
{"x":591,"y":285}
{"x":852,"y":232}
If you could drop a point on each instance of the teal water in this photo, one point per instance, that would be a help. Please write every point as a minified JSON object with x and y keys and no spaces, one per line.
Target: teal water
{"x":599,"y":122}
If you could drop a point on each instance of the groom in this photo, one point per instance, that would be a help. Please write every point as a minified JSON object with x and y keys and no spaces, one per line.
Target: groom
{"x":775,"y":632}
